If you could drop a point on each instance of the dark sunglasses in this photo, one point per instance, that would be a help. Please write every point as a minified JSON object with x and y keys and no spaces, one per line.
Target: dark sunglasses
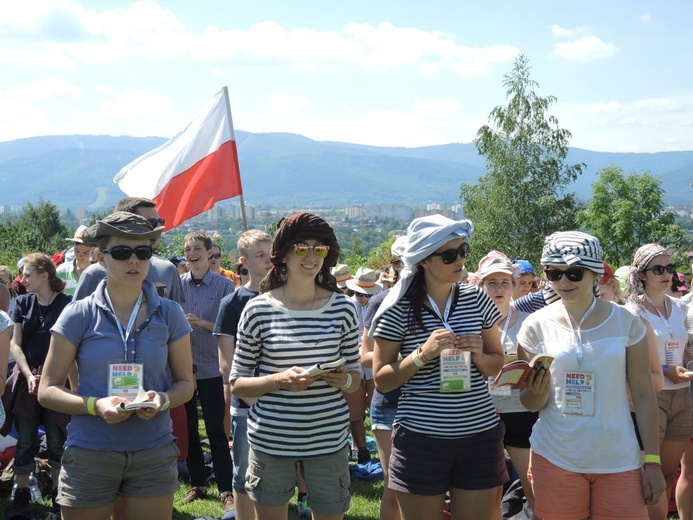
{"x":396,"y":263}
{"x":215,"y":256}
{"x":156,"y":222}
{"x":659,"y":269}
{"x":125,"y":252}
{"x":301,"y":250}
{"x":574,"y":274}
{"x":450,"y":255}
{"x":362,"y":295}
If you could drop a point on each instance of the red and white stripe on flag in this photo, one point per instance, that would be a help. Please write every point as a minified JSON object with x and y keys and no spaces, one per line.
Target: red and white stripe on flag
{"x":193,"y":170}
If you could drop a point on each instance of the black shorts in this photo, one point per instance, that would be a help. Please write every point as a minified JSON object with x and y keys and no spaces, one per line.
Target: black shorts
{"x":518,"y":428}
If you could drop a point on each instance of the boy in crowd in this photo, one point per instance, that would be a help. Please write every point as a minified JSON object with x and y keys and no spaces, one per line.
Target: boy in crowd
{"x":254,"y":246}
{"x":203,"y":291}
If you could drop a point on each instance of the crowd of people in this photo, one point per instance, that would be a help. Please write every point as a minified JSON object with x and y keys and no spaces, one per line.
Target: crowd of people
{"x":112,"y":350}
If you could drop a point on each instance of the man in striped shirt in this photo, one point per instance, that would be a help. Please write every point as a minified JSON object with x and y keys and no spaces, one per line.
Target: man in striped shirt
{"x":203,"y":291}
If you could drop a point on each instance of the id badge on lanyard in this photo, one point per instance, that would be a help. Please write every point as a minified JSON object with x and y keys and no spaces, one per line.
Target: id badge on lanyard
{"x":126,"y":377}
{"x":578,"y":385}
{"x":455,"y":364}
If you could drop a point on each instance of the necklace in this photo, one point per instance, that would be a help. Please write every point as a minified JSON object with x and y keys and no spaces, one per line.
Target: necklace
{"x":42,"y":316}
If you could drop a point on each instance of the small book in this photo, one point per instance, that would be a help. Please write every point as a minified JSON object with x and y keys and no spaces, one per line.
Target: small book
{"x":321,"y":368}
{"x":516,"y":372}
{"x":141,"y":401}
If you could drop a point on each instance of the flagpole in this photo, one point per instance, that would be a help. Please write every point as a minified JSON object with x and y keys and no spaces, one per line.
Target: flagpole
{"x":228,"y":111}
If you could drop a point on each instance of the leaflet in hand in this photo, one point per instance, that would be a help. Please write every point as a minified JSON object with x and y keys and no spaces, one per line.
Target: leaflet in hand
{"x":516,"y":372}
{"x":141,"y":401}
{"x":321,"y":368}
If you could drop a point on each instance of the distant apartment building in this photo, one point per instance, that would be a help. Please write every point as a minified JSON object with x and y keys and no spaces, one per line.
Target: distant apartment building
{"x":355,"y":211}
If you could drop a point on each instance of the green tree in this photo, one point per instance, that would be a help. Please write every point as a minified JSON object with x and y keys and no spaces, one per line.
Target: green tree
{"x":37,"y":229}
{"x":522,"y":198}
{"x":627,"y":211}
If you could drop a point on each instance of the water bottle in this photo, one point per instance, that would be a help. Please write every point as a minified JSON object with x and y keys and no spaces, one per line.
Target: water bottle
{"x":34,"y":489}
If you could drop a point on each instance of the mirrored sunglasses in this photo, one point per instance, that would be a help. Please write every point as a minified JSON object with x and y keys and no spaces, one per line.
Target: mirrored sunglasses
{"x":319,"y":250}
{"x":125,"y":252}
{"x":450,"y":255}
{"x":574,"y":274}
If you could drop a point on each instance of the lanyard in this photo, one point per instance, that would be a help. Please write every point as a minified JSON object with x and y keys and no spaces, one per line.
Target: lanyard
{"x":665,"y":320}
{"x":576,"y":332}
{"x":125,"y":333}
{"x":505,"y":326}
{"x":446,"y":312}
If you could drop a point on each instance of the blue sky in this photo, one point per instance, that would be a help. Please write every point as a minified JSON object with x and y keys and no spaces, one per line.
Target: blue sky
{"x":385,"y":73}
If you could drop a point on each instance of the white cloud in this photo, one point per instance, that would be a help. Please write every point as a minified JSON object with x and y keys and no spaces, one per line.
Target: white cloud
{"x":134,"y":103}
{"x":70,"y":33}
{"x":645,"y":17}
{"x":581,"y":45}
{"x":46,"y":88}
{"x":287,"y":104}
{"x":436,"y":107}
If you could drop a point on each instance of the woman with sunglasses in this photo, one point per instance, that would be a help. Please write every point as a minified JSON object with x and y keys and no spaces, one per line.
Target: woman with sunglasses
{"x":647,"y":292}
{"x":436,"y":339}
{"x":300,"y":319}
{"x":34,"y":314}
{"x":584,"y":440}
{"x":130,"y":346}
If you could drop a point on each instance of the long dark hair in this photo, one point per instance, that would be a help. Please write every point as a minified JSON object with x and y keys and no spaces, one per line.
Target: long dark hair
{"x":297,"y":228}
{"x":416,"y":295}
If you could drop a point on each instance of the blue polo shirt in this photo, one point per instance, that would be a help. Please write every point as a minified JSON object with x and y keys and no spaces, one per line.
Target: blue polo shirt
{"x":90,"y":325}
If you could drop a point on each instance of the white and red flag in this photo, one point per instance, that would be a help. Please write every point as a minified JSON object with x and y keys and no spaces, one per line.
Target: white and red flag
{"x":191,"y":171}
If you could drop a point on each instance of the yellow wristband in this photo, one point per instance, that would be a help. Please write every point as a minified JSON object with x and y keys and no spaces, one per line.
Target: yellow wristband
{"x":90,"y":406}
{"x":652,"y":459}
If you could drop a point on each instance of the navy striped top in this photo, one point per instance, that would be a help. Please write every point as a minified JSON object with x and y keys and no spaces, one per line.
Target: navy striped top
{"x":272,"y":338}
{"x":422,"y":407}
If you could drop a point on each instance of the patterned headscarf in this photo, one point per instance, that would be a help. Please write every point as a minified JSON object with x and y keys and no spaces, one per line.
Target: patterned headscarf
{"x":641,"y":259}
{"x":574,"y":249}
{"x":496,"y":262}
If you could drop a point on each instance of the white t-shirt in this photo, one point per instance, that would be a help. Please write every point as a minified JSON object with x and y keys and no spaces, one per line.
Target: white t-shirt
{"x":604,"y":442}
{"x":665,"y":330}
{"x":510,"y":403}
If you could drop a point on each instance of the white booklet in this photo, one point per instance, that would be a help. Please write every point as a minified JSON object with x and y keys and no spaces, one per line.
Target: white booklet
{"x":321,"y":368}
{"x":141,"y":401}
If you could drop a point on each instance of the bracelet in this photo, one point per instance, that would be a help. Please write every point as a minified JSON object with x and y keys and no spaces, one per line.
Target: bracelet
{"x":416,"y":358}
{"x":167,"y":402}
{"x":420,"y":352}
{"x":277,"y":381}
{"x":347,"y":384}
{"x":651,"y":465}
{"x":665,"y":369}
{"x":91,"y":410}
{"x":652,"y":459}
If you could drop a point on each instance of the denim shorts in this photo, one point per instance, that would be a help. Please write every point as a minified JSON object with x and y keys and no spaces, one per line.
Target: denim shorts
{"x":95,"y":478}
{"x":239,"y":429}
{"x":271,"y":480}
{"x":382,"y":417}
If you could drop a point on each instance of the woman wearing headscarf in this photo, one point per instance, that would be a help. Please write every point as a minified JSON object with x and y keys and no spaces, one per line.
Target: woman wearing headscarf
{"x":301,"y":318}
{"x":130,"y":346}
{"x":584,"y":441}
{"x":647,"y":293}
{"x":437,"y":339}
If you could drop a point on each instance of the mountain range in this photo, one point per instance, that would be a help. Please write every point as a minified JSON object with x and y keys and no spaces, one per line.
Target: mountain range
{"x":290,"y":170}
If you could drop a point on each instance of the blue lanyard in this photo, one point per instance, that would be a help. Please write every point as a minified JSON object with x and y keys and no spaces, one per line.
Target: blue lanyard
{"x":125,"y":332}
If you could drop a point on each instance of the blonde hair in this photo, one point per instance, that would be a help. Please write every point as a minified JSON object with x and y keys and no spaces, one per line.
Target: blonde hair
{"x":250,"y":238}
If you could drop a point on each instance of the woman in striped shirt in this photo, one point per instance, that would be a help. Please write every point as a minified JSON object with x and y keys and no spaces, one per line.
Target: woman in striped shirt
{"x":301,"y":320}
{"x":436,"y":338}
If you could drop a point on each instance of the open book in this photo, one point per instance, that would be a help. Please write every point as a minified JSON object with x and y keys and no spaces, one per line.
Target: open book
{"x":141,"y":401}
{"x":321,"y":368}
{"x":516,"y":372}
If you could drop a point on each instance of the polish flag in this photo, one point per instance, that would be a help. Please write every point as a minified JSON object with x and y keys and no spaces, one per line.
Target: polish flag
{"x":193,"y":170}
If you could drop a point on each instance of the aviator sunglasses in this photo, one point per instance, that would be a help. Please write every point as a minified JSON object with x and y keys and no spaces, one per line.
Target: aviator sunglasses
{"x":574,"y":274}
{"x":450,"y":255}
{"x":125,"y":252}
{"x":319,"y":250}
{"x":659,"y":269}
